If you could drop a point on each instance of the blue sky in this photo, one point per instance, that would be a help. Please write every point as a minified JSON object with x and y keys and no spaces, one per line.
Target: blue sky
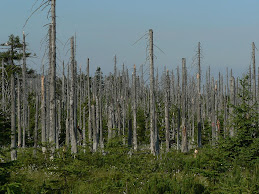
{"x":225,"y":28}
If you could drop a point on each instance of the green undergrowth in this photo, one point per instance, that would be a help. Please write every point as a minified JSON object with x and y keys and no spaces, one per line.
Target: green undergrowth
{"x":119,"y":170}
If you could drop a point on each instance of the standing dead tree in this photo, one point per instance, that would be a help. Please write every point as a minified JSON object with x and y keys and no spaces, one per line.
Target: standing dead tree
{"x":13,"y":120}
{"x":184,"y":127}
{"x":52,"y":132}
{"x":72,"y":101}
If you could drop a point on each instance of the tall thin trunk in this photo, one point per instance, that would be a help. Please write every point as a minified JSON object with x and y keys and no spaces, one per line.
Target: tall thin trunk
{"x":199,"y":95}
{"x":100,"y":115}
{"x":72,"y":103}
{"x":167,"y":92}
{"x":89,"y":104}
{"x":68,"y":107}
{"x":232,"y":101}
{"x":24,"y":91}
{"x":19,"y":113}
{"x":13,"y":120}
{"x":184,"y":127}
{"x":36,"y":126}
{"x":58,"y":128}
{"x":43,"y":113}
{"x":152,"y":96}
{"x":135,"y":144}
{"x":52,"y":116}
{"x":84,"y":139}
{"x":95,"y":143}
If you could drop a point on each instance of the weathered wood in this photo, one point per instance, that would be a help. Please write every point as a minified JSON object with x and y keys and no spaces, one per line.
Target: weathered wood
{"x":19,"y":113}
{"x":184,"y":147}
{"x":36,"y":126}
{"x":43,"y":113}
{"x":152,"y":96}
{"x":135,"y":144}
{"x":72,"y":101}
{"x":167,"y":93}
{"x":52,"y":91}
{"x":24,"y":91}
{"x":199,"y":95}
{"x":89,"y":104}
{"x":13,"y":120}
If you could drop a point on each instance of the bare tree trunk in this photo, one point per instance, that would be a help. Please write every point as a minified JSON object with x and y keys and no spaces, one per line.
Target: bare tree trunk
{"x":232,"y":101}
{"x":135,"y":144}
{"x":24,"y":91}
{"x":89,"y":105}
{"x":19,"y":114}
{"x":52,"y":132}
{"x":100,"y":114}
{"x":124,"y":106}
{"x":58,"y":127}
{"x":36,"y":127}
{"x":28,"y":122}
{"x":68,"y":107}
{"x":13,"y":120}
{"x":63,"y":92}
{"x":152,"y":96}
{"x":167,"y":92}
{"x":225,"y":111}
{"x":72,"y":99}
{"x":184,"y":128}
{"x":84,"y":139}
{"x":199,"y":95}
{"x":95,"y":143}
{"x":43,"y":113}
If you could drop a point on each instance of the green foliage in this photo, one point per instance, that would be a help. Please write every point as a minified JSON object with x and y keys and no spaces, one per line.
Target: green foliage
{"x":117,"y":169}
{"x":14,"y":49}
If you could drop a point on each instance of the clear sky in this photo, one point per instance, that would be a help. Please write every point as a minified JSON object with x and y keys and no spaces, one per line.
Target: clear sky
{"x":225,"y":28}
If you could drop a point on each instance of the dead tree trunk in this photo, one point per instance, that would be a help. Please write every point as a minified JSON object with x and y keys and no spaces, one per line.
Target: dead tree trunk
{"x":43,"y":113}
{"x":68,"y":107}
{"x":100,"y":115}
{"x":232,"y":101}
{"x":152,"y":96}
{"x":167,"y":92}
{"x":52,"y":132}
{"x":95,"y":144}
{"x":184,"y":128}
{"x":36,"y":127}
{"x":24,"y":91}
{"x":72,"y":103}
{"x":19,"y":114}
{"x":89,"y":105}
{"x":135,"y":144}
{"x":199,"y":96}
{"x":84,"y":140}
{"x":13,"y":120}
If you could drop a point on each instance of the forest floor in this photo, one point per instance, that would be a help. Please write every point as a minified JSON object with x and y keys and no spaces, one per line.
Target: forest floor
{"x":211,"y":170}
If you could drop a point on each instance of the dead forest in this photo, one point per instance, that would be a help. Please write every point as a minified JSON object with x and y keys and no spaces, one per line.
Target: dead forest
{"x":176,"y":105}
{"x":173,"y":111}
